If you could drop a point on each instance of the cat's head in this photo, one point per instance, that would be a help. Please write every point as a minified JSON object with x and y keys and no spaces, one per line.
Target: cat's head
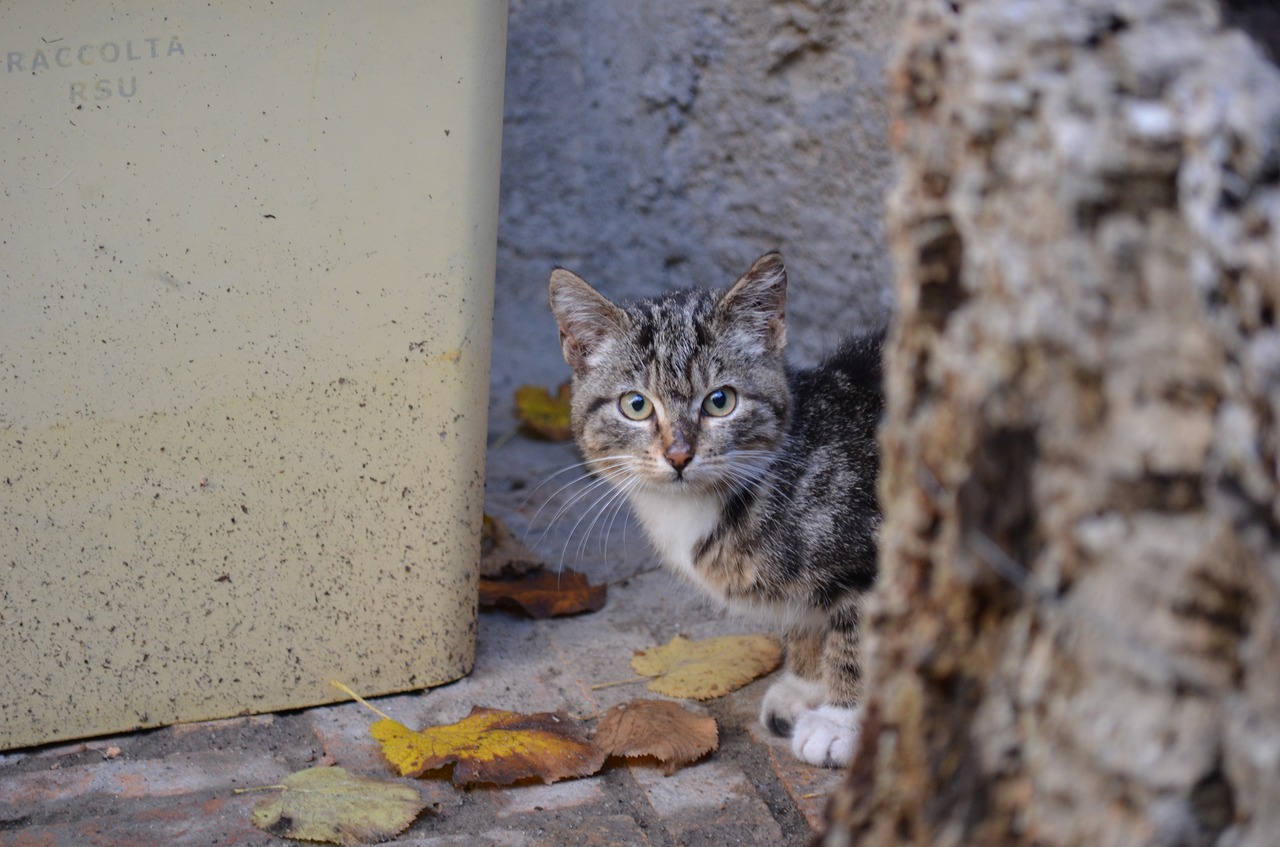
{"x":688,"y":389}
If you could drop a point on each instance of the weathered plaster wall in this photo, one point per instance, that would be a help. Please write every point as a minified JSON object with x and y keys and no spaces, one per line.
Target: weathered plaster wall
{"x":670,"y":143}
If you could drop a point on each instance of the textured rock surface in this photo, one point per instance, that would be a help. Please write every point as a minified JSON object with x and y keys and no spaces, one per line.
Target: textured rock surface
{"x":1078,"y":624}
{"x":670,"y":143}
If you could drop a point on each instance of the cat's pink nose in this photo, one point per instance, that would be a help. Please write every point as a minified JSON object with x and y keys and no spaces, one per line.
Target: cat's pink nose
{"x":679,"y":455}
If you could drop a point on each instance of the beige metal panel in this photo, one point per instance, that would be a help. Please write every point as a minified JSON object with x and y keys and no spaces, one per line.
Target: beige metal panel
{"x":248,"y":255}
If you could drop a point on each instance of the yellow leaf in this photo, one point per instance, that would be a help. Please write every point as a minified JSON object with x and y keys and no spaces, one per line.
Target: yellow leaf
{"x":542,"y":414}
{"x":493,"y":746}
{"x":331,"y":805}
{"x":700,"y":670}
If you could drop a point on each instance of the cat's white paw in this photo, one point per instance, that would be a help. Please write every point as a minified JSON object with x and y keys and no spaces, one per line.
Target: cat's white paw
{"x":787,"y":699}
{"x":826,"y":736}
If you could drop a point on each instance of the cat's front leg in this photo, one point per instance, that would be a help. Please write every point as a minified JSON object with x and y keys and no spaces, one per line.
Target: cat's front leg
{"x":800,"y":688}
{"x":797,"y":705}
{"x":787,"y":700}
{"x":828,"y":734}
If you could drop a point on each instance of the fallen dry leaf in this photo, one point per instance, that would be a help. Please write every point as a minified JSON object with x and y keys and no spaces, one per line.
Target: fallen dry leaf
{"x":542,"y":414}
{"x":544,"y":595}
{"x":493,"y":746}
{"x":664,"y":730}
{"x":501,"y":553}
{"x":329,"y":804}
{"x":700,"y":670}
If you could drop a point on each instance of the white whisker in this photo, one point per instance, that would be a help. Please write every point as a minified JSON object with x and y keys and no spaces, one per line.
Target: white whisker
{"x":595,"y":508}
{"x":622,"y":503}
{"x":575,"y":466}
{"x":618,"y":463}
{"x":595,"y":484}
{"x":612,"y":501}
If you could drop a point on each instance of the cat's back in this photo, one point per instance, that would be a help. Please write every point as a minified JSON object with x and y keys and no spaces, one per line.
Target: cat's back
{"x":842,"y":398}
{"x":821,"y":512}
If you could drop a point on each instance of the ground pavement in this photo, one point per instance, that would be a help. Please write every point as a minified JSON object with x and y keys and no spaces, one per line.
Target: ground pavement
{"x":175,"y":786}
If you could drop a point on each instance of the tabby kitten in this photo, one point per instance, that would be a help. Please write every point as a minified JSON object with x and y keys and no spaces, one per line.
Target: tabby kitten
{"x":754,"y":481}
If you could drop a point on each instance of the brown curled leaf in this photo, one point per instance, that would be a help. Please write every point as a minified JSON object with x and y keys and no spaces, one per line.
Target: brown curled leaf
{"x":501,"y":553}
{"x":661,"y":729}
{"x":543,"y":594}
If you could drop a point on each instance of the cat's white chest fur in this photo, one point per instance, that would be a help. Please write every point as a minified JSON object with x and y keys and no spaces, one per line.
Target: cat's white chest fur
{"x":676,"y":522}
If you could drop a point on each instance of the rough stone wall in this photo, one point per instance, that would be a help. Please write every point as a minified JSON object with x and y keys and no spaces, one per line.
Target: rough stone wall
{"x":670,"y":143}
{"x":1077,"y":629}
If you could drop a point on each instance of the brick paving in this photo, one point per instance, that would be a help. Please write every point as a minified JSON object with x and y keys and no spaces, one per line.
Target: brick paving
{"x":175,"y":786}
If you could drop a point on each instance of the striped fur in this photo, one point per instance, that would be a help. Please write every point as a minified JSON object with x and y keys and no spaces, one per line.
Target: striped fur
{"x":770,"y":508}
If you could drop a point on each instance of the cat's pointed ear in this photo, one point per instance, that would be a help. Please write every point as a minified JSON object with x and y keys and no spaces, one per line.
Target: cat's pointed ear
{"x":585,"y":317}
{"x":758,"y":301}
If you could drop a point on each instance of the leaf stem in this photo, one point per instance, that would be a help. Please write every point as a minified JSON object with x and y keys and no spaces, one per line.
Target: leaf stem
{"x":276,"y":787}
{"x":505,"y":438}
{"x":631,"y":681}
{"x":359,"y":699}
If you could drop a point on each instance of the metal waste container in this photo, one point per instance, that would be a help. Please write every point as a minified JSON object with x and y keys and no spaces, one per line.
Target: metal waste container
{"x":244,"y":348}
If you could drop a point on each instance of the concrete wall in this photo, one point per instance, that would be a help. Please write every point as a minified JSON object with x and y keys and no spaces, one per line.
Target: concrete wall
{"x":670,"y":143}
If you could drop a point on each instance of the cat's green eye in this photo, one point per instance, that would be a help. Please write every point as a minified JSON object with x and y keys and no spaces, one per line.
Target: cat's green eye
{"x":720,"y":402}
{"x":635,"y":406}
